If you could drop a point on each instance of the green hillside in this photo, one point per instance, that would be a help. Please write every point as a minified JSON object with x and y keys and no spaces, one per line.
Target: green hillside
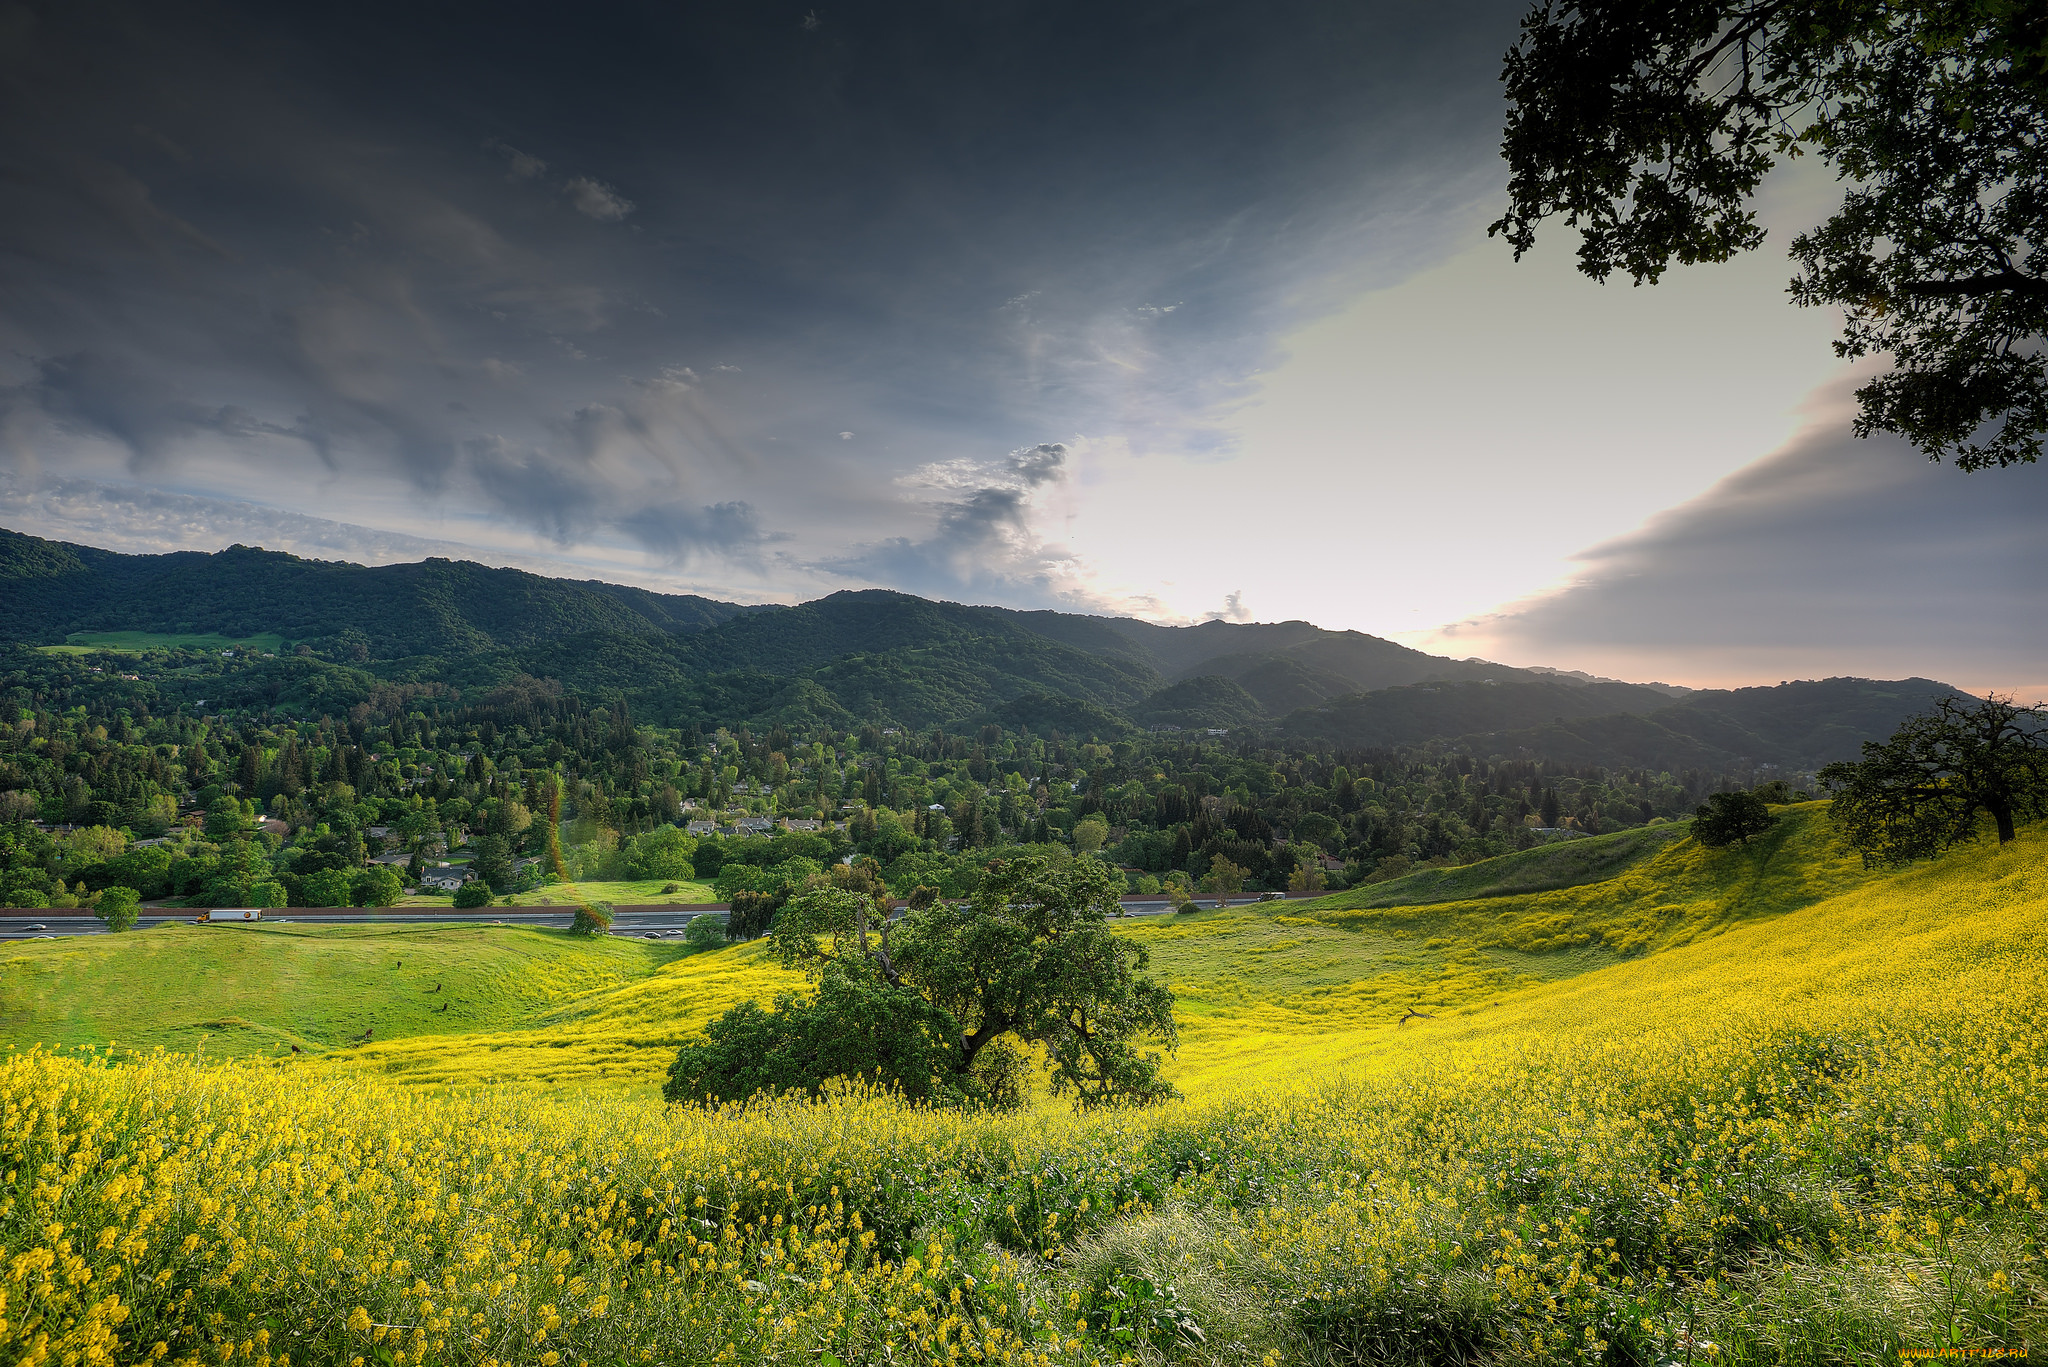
{"x":455,"y":628}
{"x":249,"y":989}
{"x":1204,"y":701}
{"x":1803,"y":1125}
{"x":1623,"y":894}
{"x":1800,"y":725}
{"x":137,"y":642}
{"x":538,"y":1005}
{"x":1546,"y":868}
{"x":437,"y":607}
{"x":1419,"y":712}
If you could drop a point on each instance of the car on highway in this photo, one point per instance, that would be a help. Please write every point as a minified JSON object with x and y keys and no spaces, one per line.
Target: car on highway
{"x":37,"y":926}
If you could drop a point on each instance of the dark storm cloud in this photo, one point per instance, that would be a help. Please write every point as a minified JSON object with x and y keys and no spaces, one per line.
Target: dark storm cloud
{"x":114,"y":398}
{"x":982,"y":546}
{"x":679,"y":533}
{"x":1834,"y":555}
{"x":468,"y":252}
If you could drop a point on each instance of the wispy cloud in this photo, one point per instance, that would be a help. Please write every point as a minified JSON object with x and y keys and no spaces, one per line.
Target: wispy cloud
{"x":595,"y":199}
{"x":1233,"y":609}
{"x":983,"y":545}
{"x":521,"y":164}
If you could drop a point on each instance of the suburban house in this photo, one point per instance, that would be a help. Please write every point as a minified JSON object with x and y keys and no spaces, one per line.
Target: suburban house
{"x":446,"y":877}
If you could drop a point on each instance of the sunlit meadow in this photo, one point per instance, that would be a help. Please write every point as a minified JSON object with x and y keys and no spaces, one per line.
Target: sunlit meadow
{"x":1742,"y":1106}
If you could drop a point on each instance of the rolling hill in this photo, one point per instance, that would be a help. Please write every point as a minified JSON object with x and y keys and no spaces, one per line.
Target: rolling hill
{"x":1756,"y":1098}
{"x":535,"y":1005}
{"x":1795,"y":726}
{"x":880,"y":656}
{"x":434,"y":607}
{"x":1800,"y":725}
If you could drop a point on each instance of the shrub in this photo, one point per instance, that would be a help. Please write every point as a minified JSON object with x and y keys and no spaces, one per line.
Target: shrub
{"x":663,"y":852}
{"x":704,"y":932}
{"x":118,"y":907}
{"x":474,"y":893}
{"x":849,"y":1029}
{"x":378,"y":887}
{"x":752,"y":913}
{"x":328,"y":888}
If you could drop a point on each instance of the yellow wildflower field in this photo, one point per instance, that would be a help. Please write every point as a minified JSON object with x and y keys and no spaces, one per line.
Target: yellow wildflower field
{"x":1748,"y":1113}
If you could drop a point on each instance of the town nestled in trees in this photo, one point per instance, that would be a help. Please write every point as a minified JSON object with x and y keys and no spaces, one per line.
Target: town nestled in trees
{"x":268,"y":773}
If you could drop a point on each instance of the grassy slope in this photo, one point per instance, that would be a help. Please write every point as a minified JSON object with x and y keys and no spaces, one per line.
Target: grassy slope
{"x":135,"y":642}
{"x":1625,"y":893}
{"x":1566,"y":864}
{"x":1757,"y":940}
{"x":254,"y":989}
{"x":1260,"y":988}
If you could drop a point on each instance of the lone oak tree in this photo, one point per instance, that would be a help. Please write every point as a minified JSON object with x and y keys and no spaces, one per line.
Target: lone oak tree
{"x":927,"y":1003}
{"x":1929,"y":786}
{"x":1731,"y":818}
{"x":1648,"y":125}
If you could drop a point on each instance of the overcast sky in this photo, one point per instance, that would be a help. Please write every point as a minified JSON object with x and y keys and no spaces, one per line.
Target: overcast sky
{"x":1177,"y":309}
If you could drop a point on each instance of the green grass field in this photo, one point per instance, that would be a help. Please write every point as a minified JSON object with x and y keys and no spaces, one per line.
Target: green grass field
{"x":627,"y":892}
{"x":137,"y":642}
{"x":249,"y":989}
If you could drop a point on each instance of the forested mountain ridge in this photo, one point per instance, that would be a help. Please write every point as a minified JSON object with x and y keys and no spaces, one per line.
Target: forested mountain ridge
{"x":458,"y":629}
{"x":456,"y":622}
{"x":430,"y":607}
{"x":1417,"y":712}
{"x":1798,"y":725}
{"x":443,"y":608}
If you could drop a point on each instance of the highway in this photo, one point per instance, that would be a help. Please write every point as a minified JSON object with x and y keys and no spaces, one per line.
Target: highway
{"x":651,"y":922}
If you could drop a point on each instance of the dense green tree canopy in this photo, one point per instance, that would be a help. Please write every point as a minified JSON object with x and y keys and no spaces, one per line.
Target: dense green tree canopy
{"x":118,"y":907}
{"x":1648,"y":126}
{"x":537,"y":784}
{"x":1931,"y":785}
{"x":1731,"y":819}
{"x":926,"y":1003}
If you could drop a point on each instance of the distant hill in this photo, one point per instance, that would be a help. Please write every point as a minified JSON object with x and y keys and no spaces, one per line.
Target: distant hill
{"x":865,"y":654}
{"x":433,"y":607}
{"x":1793,"y":726}
{"x":879,"y":656}
{"x":1346,"y":661}
{"x":1429,"y":711}
{"x":1205,"y":702}
{"x":1799,"y":726}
